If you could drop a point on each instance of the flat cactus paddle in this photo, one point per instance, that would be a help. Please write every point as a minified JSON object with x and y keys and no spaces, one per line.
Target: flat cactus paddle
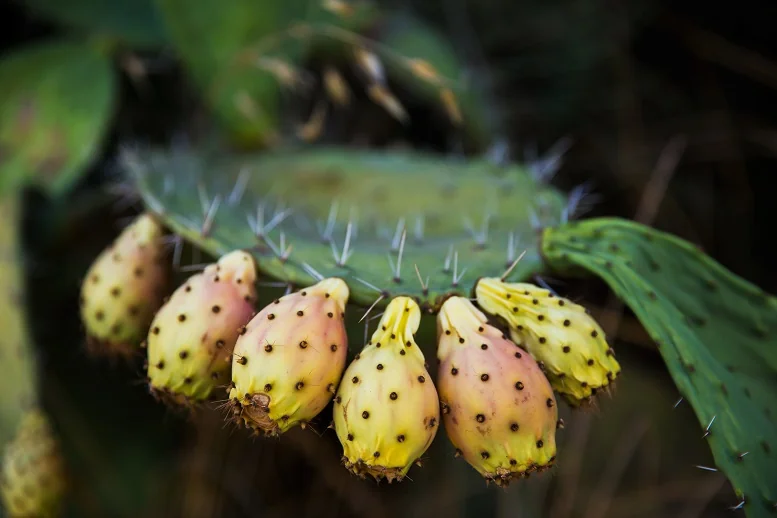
{"x":387,"y":223}
{"x":28,"y":449}
{"x":716,"y":332}
{"x":17,"y":362}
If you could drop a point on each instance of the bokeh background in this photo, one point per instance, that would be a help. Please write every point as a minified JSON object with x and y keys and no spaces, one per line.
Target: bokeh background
{"x":671,"y":109}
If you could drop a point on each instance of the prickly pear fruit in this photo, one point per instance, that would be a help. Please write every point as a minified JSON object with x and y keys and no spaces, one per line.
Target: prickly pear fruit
{"x":386,"y":412}
{"x":288,"y":363}
{"x":33,"y":475}
{"x":192,"y":337}
{"x":123,"y":289}
{"x":557,"y":332}
{"x":498,"y":407}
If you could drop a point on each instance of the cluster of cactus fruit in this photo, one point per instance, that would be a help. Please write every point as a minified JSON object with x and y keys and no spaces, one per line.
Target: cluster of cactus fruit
{"x":287,"y":362}
{"x":502,"y":354}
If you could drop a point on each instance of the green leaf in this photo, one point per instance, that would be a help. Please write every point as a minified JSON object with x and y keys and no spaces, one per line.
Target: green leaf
{"x":716,"y":332}
{"x":54,"y":111}
{"x":135,"y":22}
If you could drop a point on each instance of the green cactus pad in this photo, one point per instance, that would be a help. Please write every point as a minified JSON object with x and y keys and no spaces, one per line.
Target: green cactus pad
{"x":53,"y":113}
{"x":716,"y":332}
{"x":17,"y":367}
{"x":410,"y":39}
{"x":220,"y":43}
{"x":305,"y":199}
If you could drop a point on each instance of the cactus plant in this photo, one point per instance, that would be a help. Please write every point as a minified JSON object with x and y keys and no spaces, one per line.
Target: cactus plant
{"x":32,"y":482}
{"x":345,"y":213}
{"x":399,"y":224}
{"x":245,"y":62}
{"x":47,"y":143}
{"x":715,"y":331}
{"x":18,"y":361}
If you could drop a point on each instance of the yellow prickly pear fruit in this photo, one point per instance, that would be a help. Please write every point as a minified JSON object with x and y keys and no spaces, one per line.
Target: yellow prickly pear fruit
{"x":123,"y":289}
{"x":498,"y":407}
{"x":33,"y":474}
{"x":192,"y":337}
{"x":567,"y":342}
{"x":386,"y":412}
{"x":288,"y":363}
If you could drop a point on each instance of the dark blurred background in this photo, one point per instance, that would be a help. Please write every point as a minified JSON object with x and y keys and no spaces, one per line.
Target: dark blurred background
{"x":672,"y":110}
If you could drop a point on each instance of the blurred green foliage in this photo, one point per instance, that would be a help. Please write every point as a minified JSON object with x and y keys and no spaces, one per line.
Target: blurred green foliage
{"x":134,"y":23}
{"x":54,"y":112}
{"x":19,"y":372}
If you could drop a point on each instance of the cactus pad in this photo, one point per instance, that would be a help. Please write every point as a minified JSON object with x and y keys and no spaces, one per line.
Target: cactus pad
{"x":17,"y":363}
{"x":369,"y":218}
{"x":716,"y":332}
{"x":54,"y":113}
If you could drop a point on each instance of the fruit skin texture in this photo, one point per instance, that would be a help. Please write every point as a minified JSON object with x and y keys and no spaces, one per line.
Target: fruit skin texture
{"x":123,"y":289}
{"x":287,"y":365}
{"x":387,"y":412}
{"x":33,"y":474}
{"x":498,"y":407}
{"x":191,"y":339}
{"x":562,"y":337}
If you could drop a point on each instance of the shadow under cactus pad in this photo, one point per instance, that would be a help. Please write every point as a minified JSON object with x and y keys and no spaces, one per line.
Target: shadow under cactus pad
{"x":716,"y":332}
{"x":361,"y":216}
